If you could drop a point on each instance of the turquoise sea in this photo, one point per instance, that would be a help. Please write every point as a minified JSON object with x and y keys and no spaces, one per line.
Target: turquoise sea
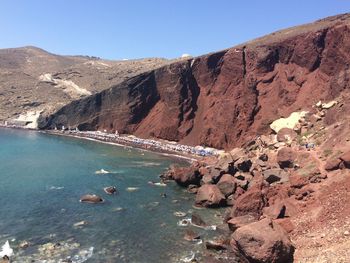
{"x":42,"y":178}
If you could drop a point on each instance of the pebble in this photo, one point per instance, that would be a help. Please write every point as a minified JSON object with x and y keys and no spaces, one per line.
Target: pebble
{"x":346,"y":233}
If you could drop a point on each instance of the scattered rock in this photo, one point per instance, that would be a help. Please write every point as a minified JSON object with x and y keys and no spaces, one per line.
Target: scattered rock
{"x":110,"y":190}
{"x":346,"y":159}
{"x":179,"y":214}
{"x":264,"y":157}
{"x":289,"y":122}
{"x":250,"y":203}
{"x":275,"y":175}
{"x":329,"y":105}
{"x":263,"y":241}
{"x":332,"y":164}
{"x":209,"y":195}
{"x":277,"y":210}
{"x":193,"y":189}
{"x":190,"y":235}
{"x":227,"y":184}
{"x":286,"y":157}
{"x":24,"y":244}
{"x":286,"y":224}
{"x":185,"y":176}
{"x":239,"y":221}
{"x":243,"y":164}
{"x":198,"y":221}
{"x":286,"y":135}
{"x":91,"y":198}
{"x":215,"y":245}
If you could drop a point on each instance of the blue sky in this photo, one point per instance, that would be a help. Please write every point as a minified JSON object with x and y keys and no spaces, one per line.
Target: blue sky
{"x":116,"y":29}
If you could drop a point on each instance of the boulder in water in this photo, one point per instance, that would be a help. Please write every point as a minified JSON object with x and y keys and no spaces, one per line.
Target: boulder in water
{"x":110,"y":190}
{"x":91,"y":198}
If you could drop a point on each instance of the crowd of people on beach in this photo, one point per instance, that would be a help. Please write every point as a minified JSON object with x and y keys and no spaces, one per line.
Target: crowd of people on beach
{"x":156,"y":145}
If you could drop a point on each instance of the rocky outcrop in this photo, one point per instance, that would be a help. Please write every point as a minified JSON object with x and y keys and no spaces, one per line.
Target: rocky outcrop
{"x":224,"y":98}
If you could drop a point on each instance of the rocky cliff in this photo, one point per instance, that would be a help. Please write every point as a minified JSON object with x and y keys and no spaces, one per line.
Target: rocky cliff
{"x":224,"y":98}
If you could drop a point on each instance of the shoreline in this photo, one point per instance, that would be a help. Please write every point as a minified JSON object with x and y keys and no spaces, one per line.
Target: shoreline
{"x":157,"y":146}
{"x":188,"y":158}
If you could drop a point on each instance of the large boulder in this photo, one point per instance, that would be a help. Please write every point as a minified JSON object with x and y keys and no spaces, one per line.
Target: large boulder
{"x":286,"y":157}
{"x":209,"y":195}
{"x":185,"y":176}
{"x":251,"y":202}
{"x":263,"y":241}
{"x":332,"y":164}
{"x":227,"y":184}
{"x":346,"y":159}
{"x":239,"y":221}
{"x":275,"y":176}
{"x":289,"y":122}
{"x":225,"y":164}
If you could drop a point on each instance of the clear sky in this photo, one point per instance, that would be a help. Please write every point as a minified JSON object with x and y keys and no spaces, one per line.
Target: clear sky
{"x":117,"y":29}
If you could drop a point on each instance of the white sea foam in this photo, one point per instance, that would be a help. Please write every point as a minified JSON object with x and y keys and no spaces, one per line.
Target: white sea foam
{"x":56,"y":187}
{"x":102,"y":171}
{"x":189,"y":258}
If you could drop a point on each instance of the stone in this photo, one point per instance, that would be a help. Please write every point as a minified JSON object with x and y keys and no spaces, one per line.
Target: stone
{"x":264,"y":157}
{"x":263,"y":241}
{"x":243,"y":164}
{"x":275,"y":176}
{"x":286,"y":157}
{"x":227,"y":184}
{"x":329,"y":105}
{"x":215,"y":245}
{"x":277,"y":210}
{"x":110,"y":190}
{"x":198,"y":221}
{"x":249,"y":203}
{"x":225,"y":164}
{"x":239,"y":221}
{"x":286,"y":135}
{"x":190,"y":235}
{"x":192,"y":188}
{"x":185,"y":176}
{"x":91,"y":198}
{"x":332,"y":164}
{"x":286,"y":224}
{"x":209,"y":195}
{"x":237,"y":153}
{"x":289,"y":122}
{"x":346,"y":159}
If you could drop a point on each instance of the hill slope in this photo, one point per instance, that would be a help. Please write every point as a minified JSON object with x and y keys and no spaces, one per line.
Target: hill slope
{"x":33,"y":80}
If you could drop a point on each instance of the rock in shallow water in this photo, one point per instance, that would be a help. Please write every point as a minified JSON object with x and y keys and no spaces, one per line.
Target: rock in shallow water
{"x":110,"y":190}
{"x":91,"y":198}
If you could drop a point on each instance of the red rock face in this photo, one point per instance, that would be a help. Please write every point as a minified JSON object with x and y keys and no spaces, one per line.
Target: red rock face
{"x":224,"y":98}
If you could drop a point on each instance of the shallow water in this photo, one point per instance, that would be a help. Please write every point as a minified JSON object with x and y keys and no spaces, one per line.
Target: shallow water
{"x":42,"y":178}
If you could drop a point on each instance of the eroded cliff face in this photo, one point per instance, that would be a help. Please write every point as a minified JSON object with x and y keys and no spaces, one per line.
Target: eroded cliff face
{"x":224,"y":98}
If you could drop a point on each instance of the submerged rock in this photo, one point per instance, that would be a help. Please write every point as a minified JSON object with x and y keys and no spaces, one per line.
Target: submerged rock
{"x":190,"y":235}
{"x":110,"y":190}
{"x":198,"y":221}
{"x":91,"y":198}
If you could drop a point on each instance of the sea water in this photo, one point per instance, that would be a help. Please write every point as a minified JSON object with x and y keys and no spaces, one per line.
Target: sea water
{"x":42,"y":178}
